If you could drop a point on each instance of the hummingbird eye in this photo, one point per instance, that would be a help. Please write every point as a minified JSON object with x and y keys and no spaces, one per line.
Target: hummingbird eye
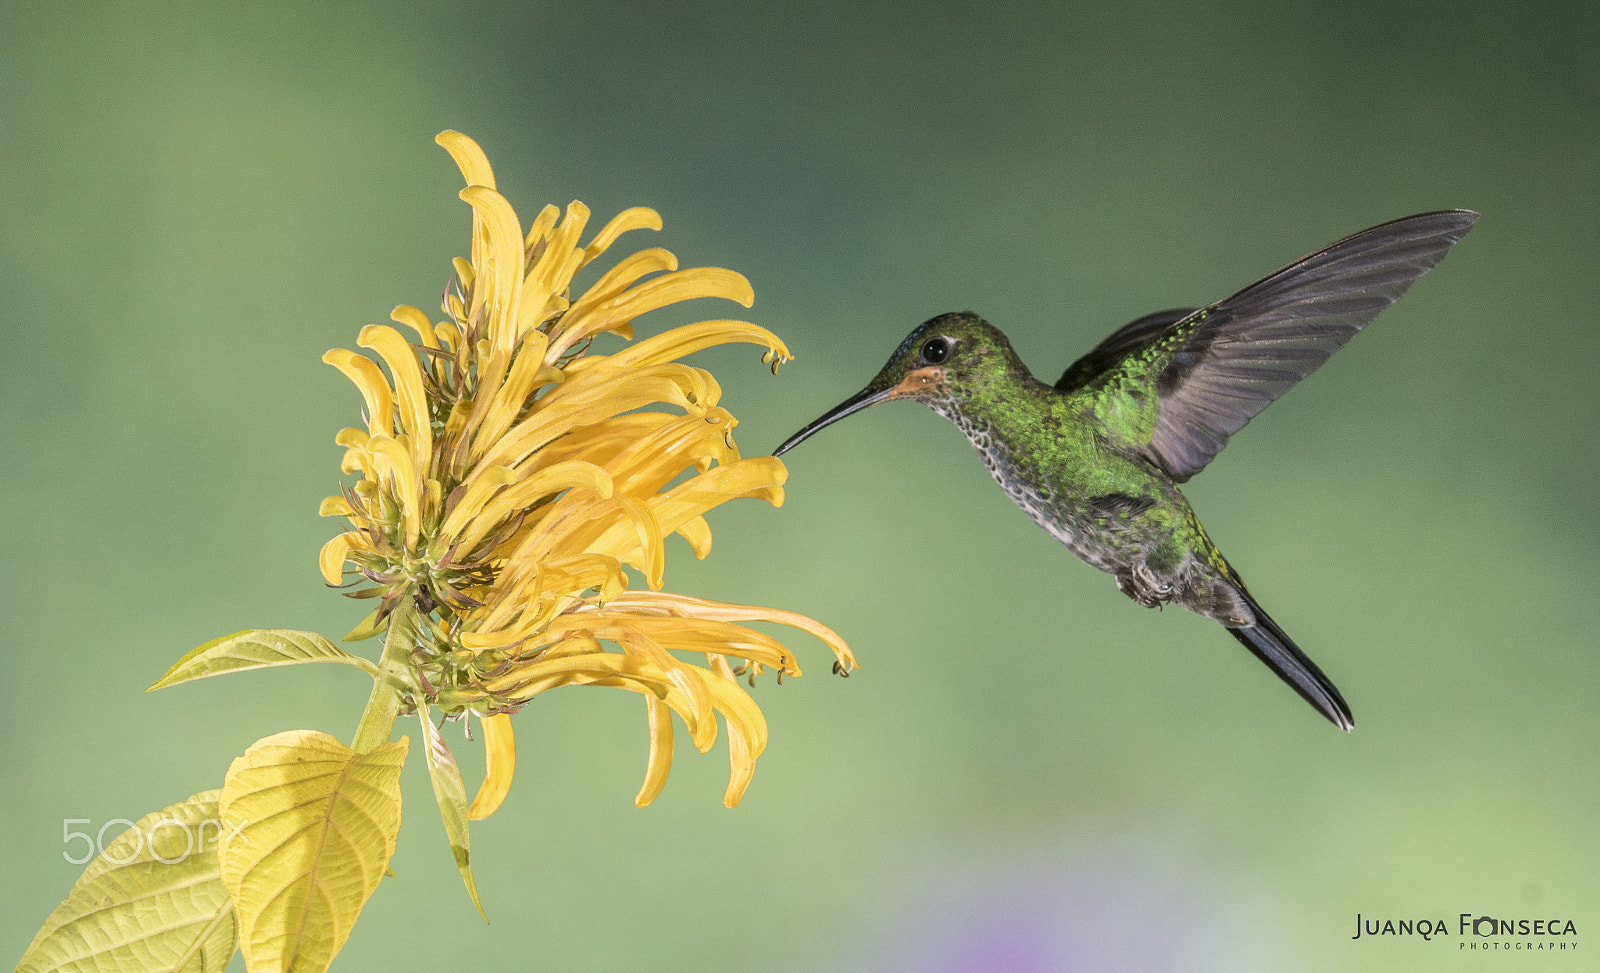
{"x":936,"y":350}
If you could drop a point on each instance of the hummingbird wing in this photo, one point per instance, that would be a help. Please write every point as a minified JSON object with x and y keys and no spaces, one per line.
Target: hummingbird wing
{"x":1118,"y":345}
{"x":1209,"y":372}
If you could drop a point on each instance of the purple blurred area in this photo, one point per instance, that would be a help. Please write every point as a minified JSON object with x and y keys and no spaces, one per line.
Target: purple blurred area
{"x":1115,"y":908}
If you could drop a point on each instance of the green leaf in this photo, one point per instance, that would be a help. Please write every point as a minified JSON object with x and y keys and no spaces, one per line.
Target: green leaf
{"x":451,"y":793}
{"x":309,"y":826}
{"x":367,"y":628}
{"x":153,"y":900}
{"x":258,"y":649}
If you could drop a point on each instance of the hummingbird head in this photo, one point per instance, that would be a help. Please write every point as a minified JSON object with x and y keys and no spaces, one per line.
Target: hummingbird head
{"x":936,"y":364}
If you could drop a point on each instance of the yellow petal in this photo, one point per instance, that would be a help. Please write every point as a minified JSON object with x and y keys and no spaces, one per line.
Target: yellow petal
{"x":620,"y":527}
{"x":464,"y":272}
{"x":529,"y":679}
{"x":696,"y":634}
{"x":757,"y":476}
{"x":600,"y":442}
{"x":637,"y":218}
{"x":654,"y":460}
{"x":368,"y":378}
{"x":678,"y":342}
{"x":492,"y":368}
{"x":687,"y":607}
{"x":335,"y":507}
{"x":402,"y":361}
{"x":602,"y":391}
{"x":500,"y":752}
{"x":355,"y":460}
{"x":562,"y":476}
{"x":500,"y":271}
{"x":334,"y":553}
{"x":449,"y":336}
{"x":691,"y":681}
{"x":659,"y":717}
{"x":549,"y":277}
{"x":571,"y":576}
{"x":509,"y":399}
{"x":474,"y":165}
{"x":559,"y":531}
{"x":658,"y":292}
{"x":621,"y":277}
{"x":697,"y":532}
{"x":480,"y":488}
{"x":413,"y":318}
{"x":747,"y":734}
{"x":651,"y":556}
{"x":392,"y":457}
{"x":542,"y":224}
{"x":673,"y":384}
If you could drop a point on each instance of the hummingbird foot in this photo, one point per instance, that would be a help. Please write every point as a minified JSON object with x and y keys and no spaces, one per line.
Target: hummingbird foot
{"x":1142,"y":585}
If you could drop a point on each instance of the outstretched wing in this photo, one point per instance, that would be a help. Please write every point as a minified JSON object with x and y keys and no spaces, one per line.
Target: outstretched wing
{"x":1207,"y":373}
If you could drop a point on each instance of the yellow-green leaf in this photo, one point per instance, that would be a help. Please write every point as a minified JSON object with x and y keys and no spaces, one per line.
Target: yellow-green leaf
{"x":451,"y":793}
{"x":309,"y":826}
{"x":367,"y":628}
{"x":153,"y":900}
{"x":258,"y":649}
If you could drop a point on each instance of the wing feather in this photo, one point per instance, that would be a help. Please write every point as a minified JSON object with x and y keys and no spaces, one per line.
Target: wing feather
{"x":1216,"y":368}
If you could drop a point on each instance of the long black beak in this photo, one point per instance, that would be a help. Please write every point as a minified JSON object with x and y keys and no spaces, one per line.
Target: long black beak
{"x":855,"y":403}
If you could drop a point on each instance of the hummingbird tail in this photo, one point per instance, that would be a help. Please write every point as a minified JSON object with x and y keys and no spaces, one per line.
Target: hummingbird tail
{"x":1272,"y":646}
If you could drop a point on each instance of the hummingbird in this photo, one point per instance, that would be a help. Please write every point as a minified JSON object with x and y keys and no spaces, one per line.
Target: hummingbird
{"x":1096,"y":458}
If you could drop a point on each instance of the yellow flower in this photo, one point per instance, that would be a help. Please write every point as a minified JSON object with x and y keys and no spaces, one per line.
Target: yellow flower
{"x":507,"y":478}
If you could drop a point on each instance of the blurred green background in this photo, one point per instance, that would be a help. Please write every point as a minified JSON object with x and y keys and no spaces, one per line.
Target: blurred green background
{"x":1029,"y":773}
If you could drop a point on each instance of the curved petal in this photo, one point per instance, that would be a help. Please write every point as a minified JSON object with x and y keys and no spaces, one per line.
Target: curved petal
{"x":562,"y":476}
{"x":659,"y":717}
{"x":417,"y":321}
{"x":334,"y":553}
{"x":654,"y":460}
{"x":660,"y":602}
{"x":374,"y":388}
{"x":335,"y":507}
{"x":679,"y":633}
{"x":479,"y":488}
{"x":621,"y":277}
{"x":697,"y":532}
{"x":397,"y":458}
{"x":403,"y":365}
{"x":539,"y":230}
{"x":678,"y":342}
{"x":747,"y":734}
{"x":528,"y":371}
{"x":474,"y":165}
{"x":658,"y":292}
{"x":500,"y":753}
{"x":757,"y":476}
{"x":686,"y":678}
{"x":499,"y":284}
{"x":550,"y":275}
{"x":636,"y":218}
{"x":673,"y":384}
{"x":543,"y":674}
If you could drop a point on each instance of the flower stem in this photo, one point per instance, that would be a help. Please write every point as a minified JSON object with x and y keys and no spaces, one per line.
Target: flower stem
{"x":393,"y":682}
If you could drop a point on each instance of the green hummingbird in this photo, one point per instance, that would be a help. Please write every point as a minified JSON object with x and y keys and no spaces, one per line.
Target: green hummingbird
{"x":1096,"y":458}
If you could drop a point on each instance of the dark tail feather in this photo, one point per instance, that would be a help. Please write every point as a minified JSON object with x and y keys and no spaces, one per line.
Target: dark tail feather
{"x":1278,"y":651}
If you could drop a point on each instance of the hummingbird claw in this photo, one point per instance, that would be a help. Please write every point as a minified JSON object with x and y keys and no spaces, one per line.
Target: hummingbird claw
{"x":1144,"y":587}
